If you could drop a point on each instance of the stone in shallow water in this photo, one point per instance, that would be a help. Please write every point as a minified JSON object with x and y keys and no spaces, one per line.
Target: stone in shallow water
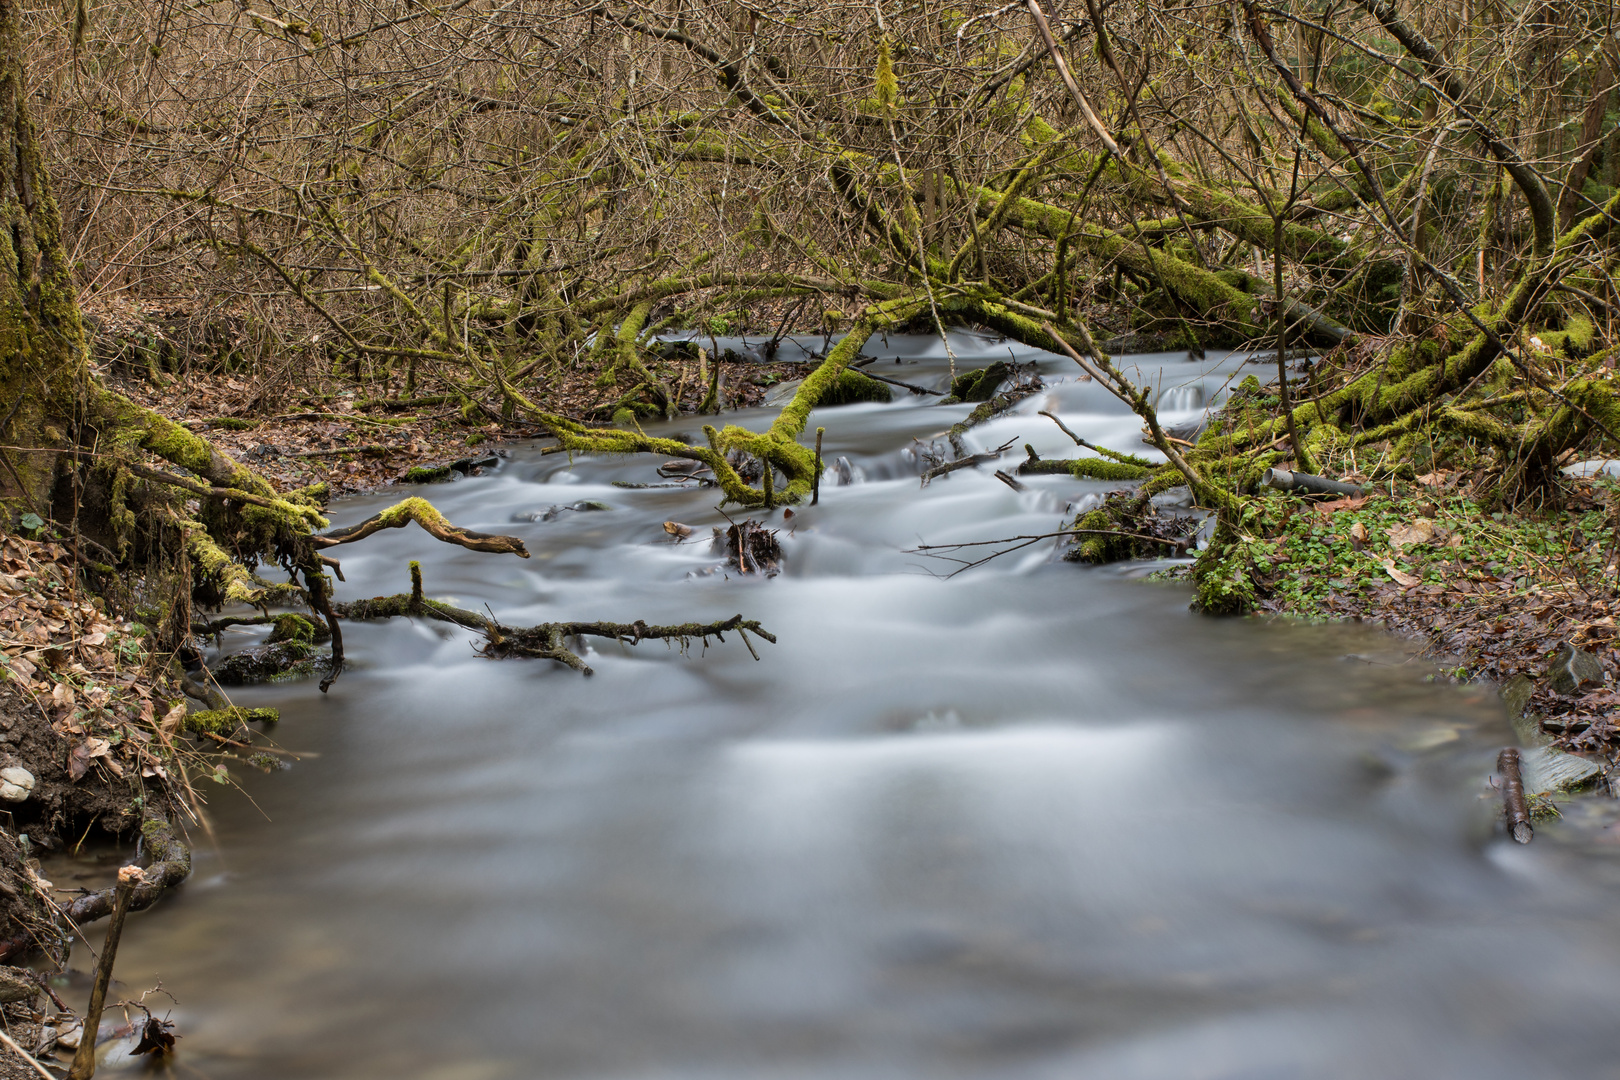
{"x":1546,"y":771}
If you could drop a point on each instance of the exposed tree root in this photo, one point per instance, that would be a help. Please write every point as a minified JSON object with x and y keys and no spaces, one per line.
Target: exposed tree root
{"x":169,"y":863}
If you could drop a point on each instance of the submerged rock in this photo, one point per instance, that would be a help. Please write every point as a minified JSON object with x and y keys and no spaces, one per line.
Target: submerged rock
{"x":291,"y":659}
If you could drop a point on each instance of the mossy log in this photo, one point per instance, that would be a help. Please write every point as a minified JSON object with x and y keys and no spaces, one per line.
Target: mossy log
{"x":778,"y":446}
{"x":424,"y":513}
{"x":1086,"y":468}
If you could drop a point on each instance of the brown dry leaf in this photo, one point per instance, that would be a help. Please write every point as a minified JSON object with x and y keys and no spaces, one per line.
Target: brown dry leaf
{"x":1403,"y":579}
{"x":93,"y":639}
{"x":1419,"y":531}
{"x":1349,"y":502}
{"x":79,"y":760}
{"x":157,"y":1038}
{"x":171,"y":719}
{"x":88,"y":751}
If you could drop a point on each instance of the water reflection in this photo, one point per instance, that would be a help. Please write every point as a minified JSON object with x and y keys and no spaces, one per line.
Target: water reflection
{"x":1035,"y":821}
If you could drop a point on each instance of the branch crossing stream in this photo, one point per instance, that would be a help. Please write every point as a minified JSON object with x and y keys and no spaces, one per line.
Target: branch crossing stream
{"x":1036,"y":820}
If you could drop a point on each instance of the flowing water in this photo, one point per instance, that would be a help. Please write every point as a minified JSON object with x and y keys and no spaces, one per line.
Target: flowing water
{"x":1036,"y":820}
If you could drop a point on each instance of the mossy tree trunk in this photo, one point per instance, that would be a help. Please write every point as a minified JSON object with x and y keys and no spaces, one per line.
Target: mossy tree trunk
{"x":43,"y":363}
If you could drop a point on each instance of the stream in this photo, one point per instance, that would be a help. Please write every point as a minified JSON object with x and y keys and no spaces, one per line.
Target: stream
{"x":1035,"y":820}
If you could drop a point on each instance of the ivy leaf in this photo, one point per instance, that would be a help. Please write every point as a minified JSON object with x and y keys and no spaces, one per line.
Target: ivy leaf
{"x":31,"y":522}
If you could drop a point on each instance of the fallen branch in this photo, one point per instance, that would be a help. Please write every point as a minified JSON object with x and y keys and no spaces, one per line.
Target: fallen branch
{"x":971,"y":461}
{"x":545,"y":641}
{"x":1513,"y":803}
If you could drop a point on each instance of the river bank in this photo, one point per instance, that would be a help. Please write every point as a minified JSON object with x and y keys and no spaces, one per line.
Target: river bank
{"x":1496,"y":596}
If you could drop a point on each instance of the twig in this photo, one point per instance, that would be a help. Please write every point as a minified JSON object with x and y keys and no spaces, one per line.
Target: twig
{"x":915,"y":389}
{"x":972,"y":461}
{"x":1010,"y":482}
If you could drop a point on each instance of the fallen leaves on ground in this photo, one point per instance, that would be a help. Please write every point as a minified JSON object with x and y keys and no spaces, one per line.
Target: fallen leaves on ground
{"x":81,"y":668}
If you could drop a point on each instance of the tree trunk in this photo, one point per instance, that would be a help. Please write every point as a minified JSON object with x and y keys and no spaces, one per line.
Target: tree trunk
{"x":43,"y":363}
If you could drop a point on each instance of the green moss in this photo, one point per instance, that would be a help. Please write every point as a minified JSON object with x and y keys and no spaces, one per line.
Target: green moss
{"x":978,"y":385}
{"x":428,"y":474}
{"x":225,"y":721}
{"x":853,"y":387}
{"x":1092,"y":468}
{"x":1574,"y":341}
{"x":1224,"y":574}
{"x":293,"y":627}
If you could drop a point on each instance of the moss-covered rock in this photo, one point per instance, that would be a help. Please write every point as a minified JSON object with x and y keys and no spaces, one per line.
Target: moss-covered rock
{"x":428,"y":474}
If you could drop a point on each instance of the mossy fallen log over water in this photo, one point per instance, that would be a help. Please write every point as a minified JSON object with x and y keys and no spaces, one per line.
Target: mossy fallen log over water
{"x":778,"y":446}
{"x":434,"y":523}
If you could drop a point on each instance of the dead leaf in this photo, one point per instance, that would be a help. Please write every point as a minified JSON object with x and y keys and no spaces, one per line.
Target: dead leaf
{"x":1349,"y":502}
{"x":1403,"y":579}
{"x":79,"y":761}
{"x":156,"y":1038}
{"x":1419,"y":531}
{"x":171,"y":719}
{"x":93,"y":639}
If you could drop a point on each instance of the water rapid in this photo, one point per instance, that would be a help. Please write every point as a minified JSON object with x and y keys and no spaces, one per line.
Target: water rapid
{"x":1035,"y":820}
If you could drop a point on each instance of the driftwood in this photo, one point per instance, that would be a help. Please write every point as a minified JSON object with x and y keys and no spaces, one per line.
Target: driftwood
{"x":968,"y":461}
{"x":1513,"y":802}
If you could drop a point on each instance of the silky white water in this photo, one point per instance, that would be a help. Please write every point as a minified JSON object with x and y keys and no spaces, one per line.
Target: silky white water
{"x":1037,"y":820}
